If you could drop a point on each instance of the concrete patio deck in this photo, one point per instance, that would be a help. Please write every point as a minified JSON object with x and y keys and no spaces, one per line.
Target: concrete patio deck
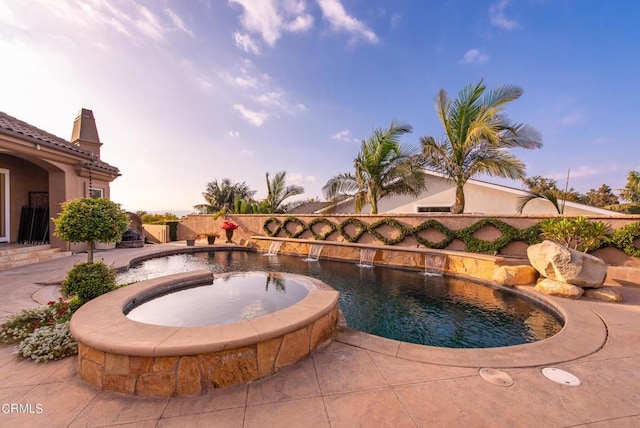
{"x":352,"y":382}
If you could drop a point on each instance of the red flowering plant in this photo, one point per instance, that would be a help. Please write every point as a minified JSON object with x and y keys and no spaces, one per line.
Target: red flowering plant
{"x":229,"y":225}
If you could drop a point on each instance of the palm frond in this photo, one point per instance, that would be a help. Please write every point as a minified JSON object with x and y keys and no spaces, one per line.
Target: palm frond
{"x":546,"y":195}
{"x":502,"y":95}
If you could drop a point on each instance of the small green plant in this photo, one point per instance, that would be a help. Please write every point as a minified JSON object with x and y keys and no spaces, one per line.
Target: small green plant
{"x":625,"y":238}
{"x":87,"y":281}
{"x":578,"y":233}
{"x":50,"y":342}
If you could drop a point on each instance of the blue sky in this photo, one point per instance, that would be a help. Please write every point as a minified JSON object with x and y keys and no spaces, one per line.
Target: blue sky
{"x":188,"y":91}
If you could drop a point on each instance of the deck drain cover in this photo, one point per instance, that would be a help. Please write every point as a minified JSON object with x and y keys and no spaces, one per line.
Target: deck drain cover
{"x":560,"y":376}
{"x":496,"y":377}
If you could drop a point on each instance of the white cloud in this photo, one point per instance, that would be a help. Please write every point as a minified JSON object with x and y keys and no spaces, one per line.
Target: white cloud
{"x":193,"y":71}
{"x":233,"y":133}
{"x":246,"y":43}
{"x":149,"y":24}
{"x":8,"y":17}
{"x":334,"y":12}
{"x":344,"y":135}
{"x":302,"y":107}
{"x":177,"y":22}
{"x":299,"y":179}
{"x":270,"y":18}
{"x":475,"y":56}
{"x":271,"y":98}
{"x":246,"y":152}
{"x":245,"y":81}
{"x":499,"y":19}
{"x":395,"y":19}
{"x":294,"y":7}
{"x":573,"y":119}
{"x":584,"y":171}
{"x":580,"y":172}
{"x":256,"y":118}
{"x":300,"y":24}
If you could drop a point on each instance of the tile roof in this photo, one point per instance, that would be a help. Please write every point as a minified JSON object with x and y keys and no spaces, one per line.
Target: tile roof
{"x":11,"y":126}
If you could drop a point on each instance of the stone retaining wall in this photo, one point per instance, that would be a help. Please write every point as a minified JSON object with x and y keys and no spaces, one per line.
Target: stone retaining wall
{"x":458,"y":263}
{"x":201,"y":373}
{"x":118,"y":354}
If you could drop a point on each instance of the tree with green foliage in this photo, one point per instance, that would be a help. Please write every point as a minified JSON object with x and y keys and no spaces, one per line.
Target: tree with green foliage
{"x":278,"y":191}
{"x":477,"y":137}
{"x":91,"y":220}
{"x":383,"y":168}
{"x":631,"y":191}
{"x":602,"y":197}
{"x":546,"y":188}
{"x":222,"y":196}
{"x":147,"y":218}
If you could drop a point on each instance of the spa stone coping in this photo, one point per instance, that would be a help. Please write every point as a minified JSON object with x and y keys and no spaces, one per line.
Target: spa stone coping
{"x":101,"y":324}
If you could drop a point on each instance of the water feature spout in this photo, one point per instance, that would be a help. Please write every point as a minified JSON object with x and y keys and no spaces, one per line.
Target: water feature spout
{"x":314,"y":253}
{"x":273,"y":248}
{"x":434,"y":264}
{"x":366,"y":257}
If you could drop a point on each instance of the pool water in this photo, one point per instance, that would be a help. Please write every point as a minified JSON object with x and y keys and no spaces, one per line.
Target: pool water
{"x":228,"y":299}
{"x":394,"y":303}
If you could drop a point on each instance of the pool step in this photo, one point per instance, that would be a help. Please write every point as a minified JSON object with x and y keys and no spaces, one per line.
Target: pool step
{"x":16,"y":256}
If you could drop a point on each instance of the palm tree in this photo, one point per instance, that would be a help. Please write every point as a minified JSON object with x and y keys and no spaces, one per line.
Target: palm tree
{"x":477,"y":136}
{"x":277,"y":192}
{"x":631,"y":191}
{"x":223,"y":195}
{"x":382,"y":168}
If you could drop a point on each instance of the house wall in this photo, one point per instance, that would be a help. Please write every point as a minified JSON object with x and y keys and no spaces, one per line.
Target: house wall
{"x":24,"y":177}
{"x":478,"y":199}
{"x":59,"y":179}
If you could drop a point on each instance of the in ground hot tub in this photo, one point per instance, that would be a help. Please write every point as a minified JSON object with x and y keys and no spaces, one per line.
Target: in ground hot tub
{"x":229,"y":299}
{"x":143,"y":358}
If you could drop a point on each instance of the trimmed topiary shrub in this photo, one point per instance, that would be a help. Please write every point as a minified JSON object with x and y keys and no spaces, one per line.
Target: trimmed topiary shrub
{"x":87,"y":281}
{"x":91,"y":220}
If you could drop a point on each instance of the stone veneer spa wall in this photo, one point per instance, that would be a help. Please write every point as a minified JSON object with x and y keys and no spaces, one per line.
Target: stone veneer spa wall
{"x":121,"y":355}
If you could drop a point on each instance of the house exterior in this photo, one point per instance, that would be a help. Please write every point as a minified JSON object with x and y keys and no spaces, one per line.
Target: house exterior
{"x":39,"y":171}
{"x":480,"y":198}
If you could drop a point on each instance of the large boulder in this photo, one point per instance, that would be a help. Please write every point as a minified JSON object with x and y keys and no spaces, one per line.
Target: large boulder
{"x":515,"y":275}
{"x":558,"y":288}
{"x":606,"y":294}
{"x":560,"y":263}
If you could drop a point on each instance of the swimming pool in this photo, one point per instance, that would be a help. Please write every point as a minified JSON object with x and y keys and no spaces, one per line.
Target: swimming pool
{"x":393,"y":303}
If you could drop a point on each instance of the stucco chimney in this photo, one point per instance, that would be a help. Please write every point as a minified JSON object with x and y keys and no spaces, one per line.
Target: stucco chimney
{"x":85,"y":133}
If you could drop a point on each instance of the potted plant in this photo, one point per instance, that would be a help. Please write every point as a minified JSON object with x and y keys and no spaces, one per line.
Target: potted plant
{"x":228,"y":227}
{"x":211,"y":238}
{"x":191,"y":240}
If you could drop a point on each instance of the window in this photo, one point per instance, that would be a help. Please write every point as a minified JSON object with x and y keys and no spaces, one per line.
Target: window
{"x":95,"y":192}
{"x":433,"y":209}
